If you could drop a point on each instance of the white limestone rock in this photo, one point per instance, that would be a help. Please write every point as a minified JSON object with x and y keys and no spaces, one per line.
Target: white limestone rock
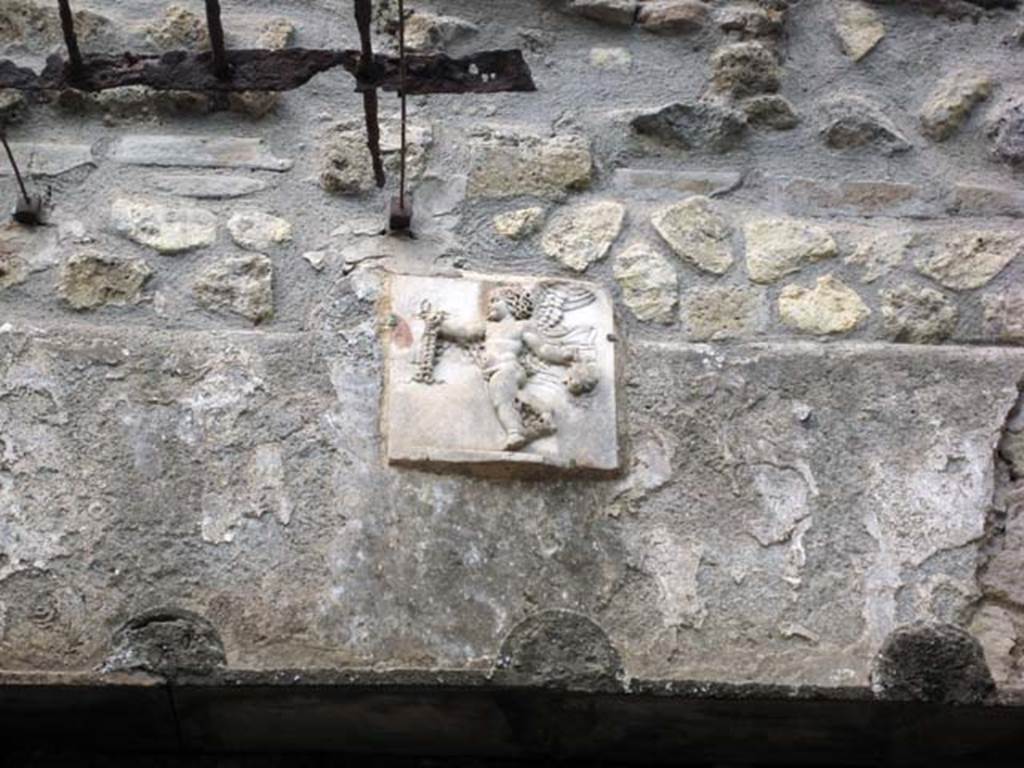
{"x":650,"y":285}
{"x":240,"y":285}
{"x":89,"y":280}
{"x":578,"y":236}
{"x":779,"y":247}
{"x":258,"y":231}
{"x":165,"y":229}
{"x":966,"y":260}
{"x":829,"y":308}
{"x":520,"y":224}
{"x":859,"y":27}
{"x":697,"y":234}
{"x":951,"y":103}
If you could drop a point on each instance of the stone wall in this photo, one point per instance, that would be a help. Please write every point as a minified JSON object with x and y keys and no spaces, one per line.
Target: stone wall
{"x":809,"y":217}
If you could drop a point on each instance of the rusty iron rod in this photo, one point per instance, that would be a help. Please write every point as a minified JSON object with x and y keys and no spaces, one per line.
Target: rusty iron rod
{"x":403,"y":72}
{"x":67,"y":25}
{"x":364,"y":18}
{"x":216,"y":29}
{"x":14,"y":166}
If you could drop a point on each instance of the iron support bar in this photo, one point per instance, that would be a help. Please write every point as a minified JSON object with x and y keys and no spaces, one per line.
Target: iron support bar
{"x":363,"y":73}
{"x":221,"y":68}
{"x":67,"y":25}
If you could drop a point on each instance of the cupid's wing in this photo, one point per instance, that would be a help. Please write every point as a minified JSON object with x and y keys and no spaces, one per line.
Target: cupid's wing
{"x":554,"y":300}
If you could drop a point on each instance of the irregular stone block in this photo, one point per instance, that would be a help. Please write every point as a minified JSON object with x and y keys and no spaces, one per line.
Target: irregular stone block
{"x":966,"y":260}
{"x":196,"y":152}
{"x":562,"y":649}
{"x":673,"y":16}
{"x":36,"y":25}
{"x":771,"y":111}
{"x":697,"y":234}
{"x":779,"y":247}
{"x":937,"y":663}
{"x":89,"y":280}
{"x":694,"y":125}
{"x":518,"y":225}
{"x":881,"y":253}
{"x":650,"y":286}
{"x":500,"y":374}
{"x":1004,"y":315}
{"x":707,"y":183}
{"x":24,"y":251}
{"x":851,"y":123}
{"x":830,"y":307}
{"x":859,"y":27}
{"x":1006,"y":131}
{"x":48,"y":159}
{"x":618,"y":12}
{"x":751,"y":21}
{"x":258,"y":231}
{"x":724,"y":312}
{"x":240,"y":285}
{"x":952,"y":101}
{"x":578,"y":236}
{"x":426,"y":31}
{"x":208,"y":187}
{"x":995,"y":630}
{"x":513,"y":165}
{"x":918,"y":315}
{"x":346,"y":167}
{"x":163,"y":228}
{"x":179,"y":29}
{"x":745,"y":69}
{"x":979,"y":200}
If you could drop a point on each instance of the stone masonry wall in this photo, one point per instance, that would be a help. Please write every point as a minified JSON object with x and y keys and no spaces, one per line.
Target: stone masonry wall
{"x":810,"y":215}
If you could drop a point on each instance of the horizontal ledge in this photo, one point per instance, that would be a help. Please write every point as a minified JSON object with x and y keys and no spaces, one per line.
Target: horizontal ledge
{"x":278,"y":70}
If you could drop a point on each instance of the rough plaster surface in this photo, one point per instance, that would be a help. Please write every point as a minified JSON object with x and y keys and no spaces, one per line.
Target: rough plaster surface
{"x":787,"y":503}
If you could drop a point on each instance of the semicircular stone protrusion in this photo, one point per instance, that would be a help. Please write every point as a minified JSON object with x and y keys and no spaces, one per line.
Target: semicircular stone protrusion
{"x":939,"y":663}
{"x":167,"y":641}
{"x":560,"y":649}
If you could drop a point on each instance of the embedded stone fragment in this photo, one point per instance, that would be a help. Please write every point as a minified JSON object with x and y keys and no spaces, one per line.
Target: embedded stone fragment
{"x":42,"y":159}
{"x":178,"y":29}
{"x":938,"y":663}
{"x":965,"y":260}
{"x":673,"y":16}
{"x":749,"y":21}
{"x":830,"y":307}
{"x":1003,"y":577}
{"x":771,"y":111}
{"x":258,"y":231}
{"x":276,"y":34}
{"x":618,"y":12}
{"x":981,"y":200}
{"x":24,"y":251}
{"x":697,"y":234}
{"x":1004,"y":315}
{"x":346,"y":167}
{"x":1006,"y":131}
{"x":518,"y":225}
{"x":881,"y":253}
{"x":745,"y":69}
{"x":425,"y":31}
{"x":723,"y":312}
{"x":694,"y":125}
{"x":578,"y":236}
{"x":208,"y":187}
{"x":196,"y":152}
{"x":951,"y":103}
{"x":996,"y":632}
{"x":611,"y":59}
{"x":36,"y":26}
{"x":851,"y":122}
{"x":709,"y":183}
{"x":650,"y":286}
{"x":779,"y":247}
{"x":164,"y":228}
{"x":859,"y":27}
{"x":167,"y":641}
{"x":513,"y":165}
{"x":89,"y":280}
{"x":240,"y":285}
{"x":917,"y":315}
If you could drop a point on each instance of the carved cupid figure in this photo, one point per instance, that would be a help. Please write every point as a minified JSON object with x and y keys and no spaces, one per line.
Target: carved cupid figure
{"x":523,"y":340}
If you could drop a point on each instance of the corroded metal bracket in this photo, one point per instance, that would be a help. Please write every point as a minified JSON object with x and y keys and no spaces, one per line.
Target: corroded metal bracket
{"x":284,"y":70}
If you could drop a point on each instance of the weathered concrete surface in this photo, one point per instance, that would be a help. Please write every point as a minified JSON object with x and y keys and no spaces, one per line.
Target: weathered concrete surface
{"x":775,"y":525}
